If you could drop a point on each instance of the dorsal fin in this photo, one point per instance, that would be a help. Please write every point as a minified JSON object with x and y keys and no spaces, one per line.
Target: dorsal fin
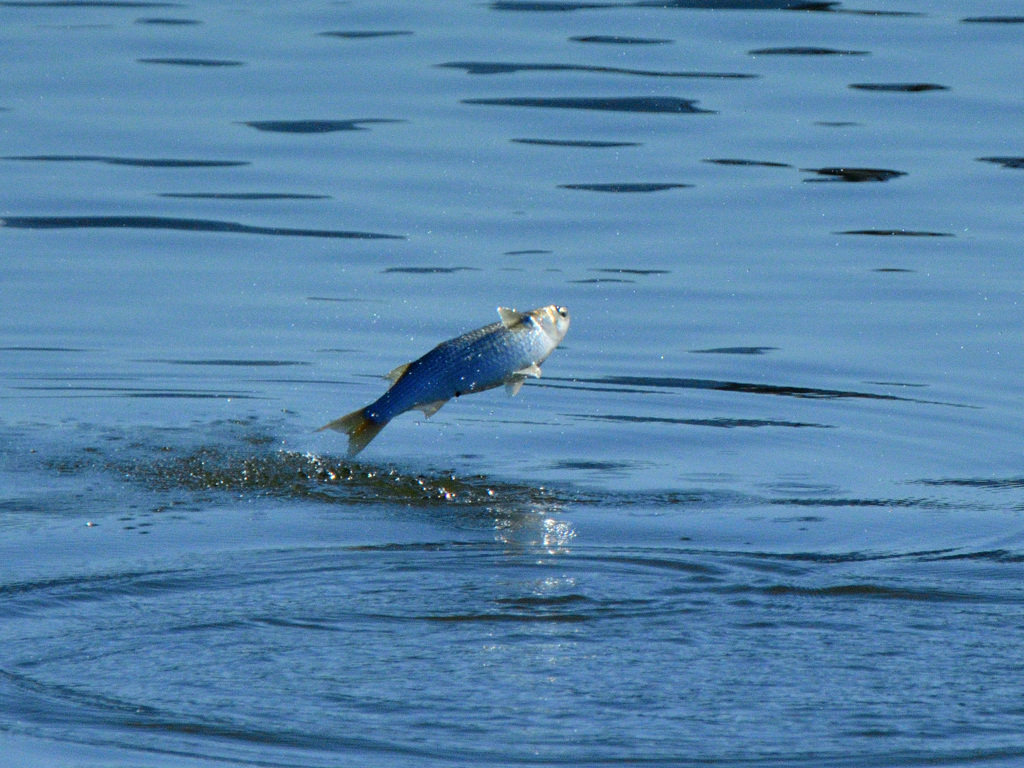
{"x":397,"y":373}
{"x":510,"y":317}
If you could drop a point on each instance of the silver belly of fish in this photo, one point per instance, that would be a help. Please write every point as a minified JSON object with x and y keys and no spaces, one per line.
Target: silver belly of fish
{"x":503,"y":353}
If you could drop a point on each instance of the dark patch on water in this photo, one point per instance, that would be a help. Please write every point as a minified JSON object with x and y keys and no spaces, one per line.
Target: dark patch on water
{"x":624,"y":188}
{"x":620,"y":40}
{"x":427,"y":270}
{"x":836,"y":123}
{"x":734,"y":351}
{"x":233,"y":363}
{"x":624,"y":271}
{"x":993,"y":20}
{"x":894,"y":233}
{"x":194,"y":62}
{"x":805,"y":51}
{"x":139,"y":162}
{"x":899,"y":87}
{"x":639,"y":104}
{"x":873,"y":591}
{"x":598,"y":280}
{"x":577,"y":143}
{"x":855,"y":175}
{"x":315,"y":126}
{"x":892,"y":269}
{"x":593,"y":466}
{"x":306,"y":476}
{"x":496,"y":68}
{"x":752,"y":163}
{"x":184,"y":225}
{"x":1006,"y":162}
{"x":366,"y":34}
{"x":720,"y":423}
{"x":528,"y":252}
{"x":251,"y":196}
{"x":988,"y":483}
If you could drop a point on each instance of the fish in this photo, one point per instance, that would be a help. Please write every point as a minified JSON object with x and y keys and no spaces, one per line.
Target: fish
{"x":507,"y":352}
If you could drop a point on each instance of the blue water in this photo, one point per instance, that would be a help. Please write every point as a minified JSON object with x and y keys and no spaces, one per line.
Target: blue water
{"x":764,"y":507}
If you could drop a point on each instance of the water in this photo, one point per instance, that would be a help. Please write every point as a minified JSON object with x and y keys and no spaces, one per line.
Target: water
{"x":763,"y":508}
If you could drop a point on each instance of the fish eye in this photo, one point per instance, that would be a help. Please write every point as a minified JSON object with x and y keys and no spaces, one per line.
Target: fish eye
{"x":563,"y":311}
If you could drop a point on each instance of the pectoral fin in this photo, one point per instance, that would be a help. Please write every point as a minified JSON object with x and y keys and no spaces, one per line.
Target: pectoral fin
{"x":510,"y":317}
{"x":397,"y":373}
{"x":514,"y":384}
{"x":429,"y":409}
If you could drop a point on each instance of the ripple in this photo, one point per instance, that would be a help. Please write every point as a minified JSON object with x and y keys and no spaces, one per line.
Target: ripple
{"x":185,"y":225}
{"x":899,"y":87}
{"x":639,"y":104}
{"x":778,"y":390}
{"x":140,"y":162}
{"x":230,"y":363}
{"x":427,"y":270}
{"x":577,"y":143}
{"x":874,"y":591}
{"x":562,"y":6}
{"x":547,"y":5}
{"x":895,"y":233}
{"x":253,"y":196}
{"x":620,"y":40}
{"x":366,"y":34}
{"x":1006,"y":162}
{"x":626,"y":271}
{"x":720,"y":423}
{"x":993,"y":20}
{"x":67,"y":391}
{"x":734,"y":351}
{"x":593,"y":466}
{"x":805,"y":51}
{"x":169,"y":22}
{"x":315,"y":126}
{"x":753,"y":163}
{"x":991,"y":483}
{"x":194,"y":62}
{"x":496,"y":68}
{"x":855,"y":175}
{"x":41,"y":349}
{"x":85,"y":4}
{"x":626,"y":188}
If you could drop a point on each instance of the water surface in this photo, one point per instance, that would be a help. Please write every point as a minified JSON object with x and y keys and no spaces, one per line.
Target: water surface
{"x":763,"y":508}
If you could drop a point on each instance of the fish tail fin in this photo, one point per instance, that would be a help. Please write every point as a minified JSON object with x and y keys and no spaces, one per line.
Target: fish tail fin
{"x":359,"y":428}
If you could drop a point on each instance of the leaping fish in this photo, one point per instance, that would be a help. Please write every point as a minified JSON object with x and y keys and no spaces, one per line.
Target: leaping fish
{"x":506,"y":353}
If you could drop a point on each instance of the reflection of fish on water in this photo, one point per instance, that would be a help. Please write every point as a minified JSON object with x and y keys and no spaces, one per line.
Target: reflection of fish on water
{"x":506,"y":353}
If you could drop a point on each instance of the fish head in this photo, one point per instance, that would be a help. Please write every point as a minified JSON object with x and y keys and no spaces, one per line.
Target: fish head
{"x":553,"y":320}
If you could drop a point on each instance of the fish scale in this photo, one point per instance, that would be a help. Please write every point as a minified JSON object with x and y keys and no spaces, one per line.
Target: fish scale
{"x":506,"y":353}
